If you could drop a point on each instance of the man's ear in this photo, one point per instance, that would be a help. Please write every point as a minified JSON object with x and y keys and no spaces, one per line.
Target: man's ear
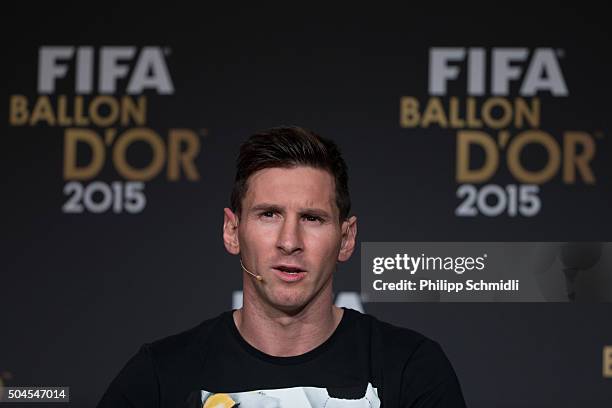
{"x":230,"y":232}
{"x":349,"y":234}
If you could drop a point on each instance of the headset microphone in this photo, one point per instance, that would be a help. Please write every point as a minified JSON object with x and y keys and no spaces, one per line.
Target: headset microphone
{"x":258,"y":277}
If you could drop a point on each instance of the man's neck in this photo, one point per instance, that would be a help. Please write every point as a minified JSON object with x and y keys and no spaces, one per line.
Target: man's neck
{"x":281,"y":334}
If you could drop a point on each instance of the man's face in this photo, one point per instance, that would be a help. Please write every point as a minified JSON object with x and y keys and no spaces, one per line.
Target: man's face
{"x":289,"y":233}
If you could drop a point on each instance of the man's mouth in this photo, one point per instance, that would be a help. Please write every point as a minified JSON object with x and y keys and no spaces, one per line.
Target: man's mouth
{"x":289,"y":269}
{"x":290,"y":273}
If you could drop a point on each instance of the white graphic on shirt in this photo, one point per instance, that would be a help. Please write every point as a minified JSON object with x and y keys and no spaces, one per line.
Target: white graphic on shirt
{"x":295,"y":397}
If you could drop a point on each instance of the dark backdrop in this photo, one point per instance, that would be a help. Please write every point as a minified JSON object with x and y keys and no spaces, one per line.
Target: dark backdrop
{"x":81,"y":292}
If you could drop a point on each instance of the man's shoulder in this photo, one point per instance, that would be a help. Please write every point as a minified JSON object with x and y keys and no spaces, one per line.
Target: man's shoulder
{"x":391,"y":334}
{"x":397,"y":341}
{"x":419,"y":361}
{"x":187,"y":341}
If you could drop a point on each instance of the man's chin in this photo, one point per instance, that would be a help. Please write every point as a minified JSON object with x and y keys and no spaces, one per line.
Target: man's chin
{"x":289,"y":305}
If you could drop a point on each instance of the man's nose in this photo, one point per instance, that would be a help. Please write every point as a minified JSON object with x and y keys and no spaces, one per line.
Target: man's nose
{"x":290,"y":236}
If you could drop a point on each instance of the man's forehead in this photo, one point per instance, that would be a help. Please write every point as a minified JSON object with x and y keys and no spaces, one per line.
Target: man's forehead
{"x":300,"y":186}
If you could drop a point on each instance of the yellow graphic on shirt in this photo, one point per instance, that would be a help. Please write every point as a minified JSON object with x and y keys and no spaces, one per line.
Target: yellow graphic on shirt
{"x":219,"y":401}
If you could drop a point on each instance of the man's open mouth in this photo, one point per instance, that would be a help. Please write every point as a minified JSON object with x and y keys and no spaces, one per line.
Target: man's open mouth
{"x":289,"y":269}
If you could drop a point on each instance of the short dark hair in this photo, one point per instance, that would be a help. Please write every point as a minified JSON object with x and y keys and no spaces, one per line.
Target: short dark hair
{"x":289,"y":147}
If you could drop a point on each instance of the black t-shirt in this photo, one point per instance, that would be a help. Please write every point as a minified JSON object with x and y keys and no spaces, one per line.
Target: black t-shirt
{"x":364,"y":363}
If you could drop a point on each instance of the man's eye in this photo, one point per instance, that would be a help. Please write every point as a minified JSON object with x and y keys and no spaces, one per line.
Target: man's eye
{"x":312,"y":218}
{"x":267,"y":214}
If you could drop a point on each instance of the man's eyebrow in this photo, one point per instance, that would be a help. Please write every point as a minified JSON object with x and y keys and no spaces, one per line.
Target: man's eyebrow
{"x":265,"y":207}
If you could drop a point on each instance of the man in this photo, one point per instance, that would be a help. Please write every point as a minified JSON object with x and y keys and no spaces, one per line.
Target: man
{"x":289,"y":346}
